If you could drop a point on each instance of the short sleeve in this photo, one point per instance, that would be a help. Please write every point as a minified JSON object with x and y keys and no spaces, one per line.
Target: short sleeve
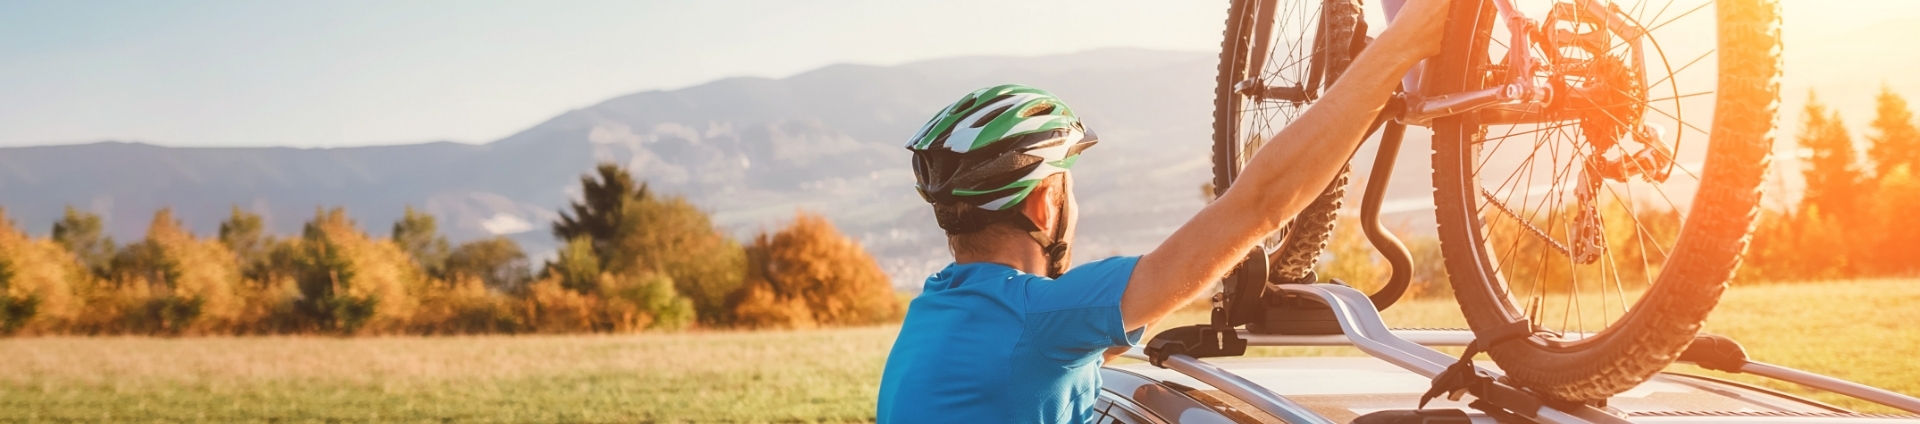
{"x":1083,"y":305}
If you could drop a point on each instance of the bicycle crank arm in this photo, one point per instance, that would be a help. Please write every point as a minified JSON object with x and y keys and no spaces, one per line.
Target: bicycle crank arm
{"x":1421,"y":111}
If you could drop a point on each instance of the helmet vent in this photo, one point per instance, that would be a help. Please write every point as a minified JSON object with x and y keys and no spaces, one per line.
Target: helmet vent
{"x":962,"y":107}
{"x":990,"y":116}
{"x":1036,"y":110}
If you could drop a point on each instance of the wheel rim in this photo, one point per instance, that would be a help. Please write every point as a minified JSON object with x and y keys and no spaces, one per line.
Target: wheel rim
{"x":1279,"y":67}
{"x":1524,"y":181}
{"x":1288,"y":62}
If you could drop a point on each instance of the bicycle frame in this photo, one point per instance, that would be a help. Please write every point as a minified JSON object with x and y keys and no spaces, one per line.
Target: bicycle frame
{"x":1518,"y":101}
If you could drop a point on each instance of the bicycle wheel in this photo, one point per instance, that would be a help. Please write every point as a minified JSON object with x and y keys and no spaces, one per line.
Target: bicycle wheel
{"x":1278,"y":58}
{"x":1574,"y":217}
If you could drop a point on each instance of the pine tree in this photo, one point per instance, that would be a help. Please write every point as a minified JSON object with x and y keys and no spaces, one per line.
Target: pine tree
{"x":1895,"y":140}
{"x":598,"y":215}
{"x":1829,"y":164}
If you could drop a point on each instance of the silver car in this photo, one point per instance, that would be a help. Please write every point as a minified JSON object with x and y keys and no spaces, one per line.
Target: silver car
{"x":1341,"y":389}
{"x":1175,"y":386}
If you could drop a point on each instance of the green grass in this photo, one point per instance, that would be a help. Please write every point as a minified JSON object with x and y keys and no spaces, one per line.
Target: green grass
{"x":763,"y":377}
{"x":1854,"y":330}
{"x":1862,"y":331}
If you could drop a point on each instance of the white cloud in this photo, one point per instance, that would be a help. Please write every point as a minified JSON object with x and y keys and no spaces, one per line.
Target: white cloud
{"x":505,"y":223}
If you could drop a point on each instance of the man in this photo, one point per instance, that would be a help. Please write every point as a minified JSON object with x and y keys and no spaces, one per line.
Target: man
{"x":1005,"y":334}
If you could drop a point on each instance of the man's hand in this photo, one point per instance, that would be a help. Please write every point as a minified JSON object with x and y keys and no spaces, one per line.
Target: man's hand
{"x":1417,"y":29}
{"x":1284,"y":176}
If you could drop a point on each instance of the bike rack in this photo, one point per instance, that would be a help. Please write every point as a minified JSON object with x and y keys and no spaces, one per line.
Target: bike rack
{"x":1363,"y":328}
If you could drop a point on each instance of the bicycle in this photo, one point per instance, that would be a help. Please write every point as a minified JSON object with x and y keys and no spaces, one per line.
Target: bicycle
{"x":1592,"y":107}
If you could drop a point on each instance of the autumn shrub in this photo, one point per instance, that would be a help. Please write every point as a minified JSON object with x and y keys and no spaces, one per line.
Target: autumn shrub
{"x":547,"y":307}
{"x":349,"y":282}
{"x":645,"y":301}
{"x":41,"y":285}
{"x":1351,"y":258}
{"x":674,"y":239}
{"x":575,"y":267}
{"x":195,"y":283}
{"x":270,"y":307}
{"x":807,"y":275}
{"x":1430,"y":277}
{"x":463,"y":306}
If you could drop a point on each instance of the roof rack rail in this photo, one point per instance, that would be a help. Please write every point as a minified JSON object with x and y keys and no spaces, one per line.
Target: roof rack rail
{"x":1361,"y":326}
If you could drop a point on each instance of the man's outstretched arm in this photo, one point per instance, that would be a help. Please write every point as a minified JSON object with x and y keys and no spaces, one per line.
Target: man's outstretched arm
{"x":1284,"y":176}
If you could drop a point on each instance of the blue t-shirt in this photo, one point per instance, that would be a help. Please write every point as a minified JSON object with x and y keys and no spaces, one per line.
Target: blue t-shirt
{"x":985,"y":343}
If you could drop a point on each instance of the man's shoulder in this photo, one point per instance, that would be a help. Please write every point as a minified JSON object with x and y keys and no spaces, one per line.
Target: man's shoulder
{"x":974,"y":287}
{"x":1113,"y":269}
{"x":957,"y":275}
{"x":1094,"y":284}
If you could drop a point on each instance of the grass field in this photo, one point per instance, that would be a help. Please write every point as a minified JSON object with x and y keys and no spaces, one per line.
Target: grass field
{"x":1854,"y":330}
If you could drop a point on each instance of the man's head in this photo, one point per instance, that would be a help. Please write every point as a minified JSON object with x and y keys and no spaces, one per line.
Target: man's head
{"x":996,"y":161}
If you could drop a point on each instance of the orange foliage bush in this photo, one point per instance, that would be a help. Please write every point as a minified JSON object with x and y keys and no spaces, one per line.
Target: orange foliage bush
{"x":550,"y":308}
{"x":198,"y":273}
{"x":463,"y":306}
{"x":42,"y":288}
{"x":810,"y":275}
{"x":351,"y":282}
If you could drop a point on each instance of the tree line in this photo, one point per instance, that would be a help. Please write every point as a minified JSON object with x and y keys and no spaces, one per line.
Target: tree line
{"x":631,"y":259}
{"x":1855,"y":219}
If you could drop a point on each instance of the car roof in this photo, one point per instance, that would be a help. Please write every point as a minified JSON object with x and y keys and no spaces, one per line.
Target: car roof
{"x":1342,"y":388}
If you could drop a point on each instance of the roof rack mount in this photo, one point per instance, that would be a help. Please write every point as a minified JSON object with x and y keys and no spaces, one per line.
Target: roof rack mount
{"x":1361,"y":326}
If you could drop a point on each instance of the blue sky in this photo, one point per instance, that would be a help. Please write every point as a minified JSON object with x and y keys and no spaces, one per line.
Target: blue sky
{"x":337,"y":73}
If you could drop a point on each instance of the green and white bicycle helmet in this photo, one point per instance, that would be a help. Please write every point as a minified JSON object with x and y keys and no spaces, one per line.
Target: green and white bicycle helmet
{"x":980,"y":159}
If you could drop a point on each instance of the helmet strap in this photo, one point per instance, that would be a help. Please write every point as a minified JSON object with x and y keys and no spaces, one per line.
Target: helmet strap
{"x":1058,"y":253}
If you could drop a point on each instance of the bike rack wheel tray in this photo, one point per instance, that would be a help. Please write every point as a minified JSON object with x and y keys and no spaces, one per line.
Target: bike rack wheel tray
{"x":1180,"y":349}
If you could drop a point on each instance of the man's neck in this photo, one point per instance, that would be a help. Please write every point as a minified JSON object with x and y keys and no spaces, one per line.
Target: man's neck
{"x":1012,"y":248}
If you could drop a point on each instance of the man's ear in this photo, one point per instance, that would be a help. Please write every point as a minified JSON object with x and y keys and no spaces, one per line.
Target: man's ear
{"x":1046,"y":204}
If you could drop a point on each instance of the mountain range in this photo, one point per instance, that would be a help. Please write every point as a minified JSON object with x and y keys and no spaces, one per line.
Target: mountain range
{"x":752,"y":151}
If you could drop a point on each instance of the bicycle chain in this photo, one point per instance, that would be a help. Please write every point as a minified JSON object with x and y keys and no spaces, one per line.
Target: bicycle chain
{"x":1528,"y":225}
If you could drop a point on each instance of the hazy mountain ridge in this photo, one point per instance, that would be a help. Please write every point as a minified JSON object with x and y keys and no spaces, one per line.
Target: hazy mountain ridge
{"x":751,"y":150}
